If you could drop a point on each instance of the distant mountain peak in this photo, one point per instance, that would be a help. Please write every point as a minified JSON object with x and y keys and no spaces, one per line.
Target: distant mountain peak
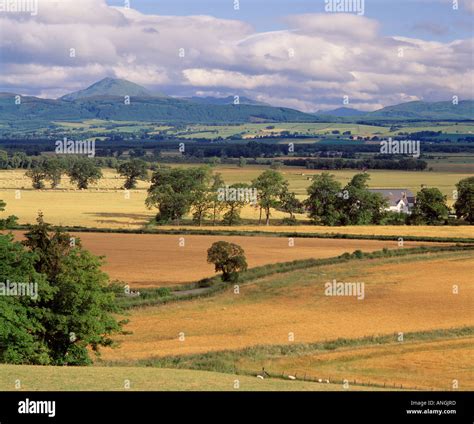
{"x":110,"y":87}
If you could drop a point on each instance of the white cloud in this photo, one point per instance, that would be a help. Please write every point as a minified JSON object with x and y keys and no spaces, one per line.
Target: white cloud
{"x":314,"y":63}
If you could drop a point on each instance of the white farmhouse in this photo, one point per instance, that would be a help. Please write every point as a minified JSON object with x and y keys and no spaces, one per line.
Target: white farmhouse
{"x":399,"y":199}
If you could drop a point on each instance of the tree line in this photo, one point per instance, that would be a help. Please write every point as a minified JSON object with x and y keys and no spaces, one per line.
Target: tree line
{"x":176,"y":192}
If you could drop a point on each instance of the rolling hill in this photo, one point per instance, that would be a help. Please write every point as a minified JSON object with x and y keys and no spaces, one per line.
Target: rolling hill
{"x":341,"y":112}
{"x":105,"y":100}
{"x":427,"y":110}
{"x":225,"y":101}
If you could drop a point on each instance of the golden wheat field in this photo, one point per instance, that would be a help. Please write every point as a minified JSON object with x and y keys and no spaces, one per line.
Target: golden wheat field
{"x":401,"y":295}
{"x":461,"y":231}
{"x":146,"y":260}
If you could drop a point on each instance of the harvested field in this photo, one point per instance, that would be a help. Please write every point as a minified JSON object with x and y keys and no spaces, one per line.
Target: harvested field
{"x":420,"y":365}
{"x":407,"y":294}
{"x":461,"y":231}
{"x":146,"y":260}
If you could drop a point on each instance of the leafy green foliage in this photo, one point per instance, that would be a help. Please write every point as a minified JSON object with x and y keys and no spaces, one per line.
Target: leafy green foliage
{"x":270,"y":186}
{"x":289,"y":203}
{"x":53,"y":169}
{"x":73,"y":310}
{"x":83,"y":172}
{"x":8,"y":222}
{"x":359,"y":205}
{"x":37,"y":175}
{"x":464,"y":205}
{"x":234,"y":206}
{"x":133,"y":171}
{"x":323,"y":202}
{"x":21,"y":330}
{"x":430,"y":207}
{"x":173,"y":191}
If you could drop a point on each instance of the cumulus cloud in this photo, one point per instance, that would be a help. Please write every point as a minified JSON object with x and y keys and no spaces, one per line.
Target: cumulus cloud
{"x":311,"y":65}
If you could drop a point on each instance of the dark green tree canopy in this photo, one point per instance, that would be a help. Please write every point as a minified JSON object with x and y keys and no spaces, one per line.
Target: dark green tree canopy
{"x":430,"y":208}
{"x":464,"y":205}
{"x":228,"y":258}
{"x":133,"y":171}
{"x":73,"y":310}
{"x":323,"y":202}
{"x":83,"y":172}
{"x":270,"y":185}
{"x":173,"y":191}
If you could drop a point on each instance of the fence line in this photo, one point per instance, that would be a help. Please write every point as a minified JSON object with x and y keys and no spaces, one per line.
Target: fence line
{"x":354,"y":382}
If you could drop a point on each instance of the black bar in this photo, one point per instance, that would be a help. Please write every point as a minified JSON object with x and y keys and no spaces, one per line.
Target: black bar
{"x":138,"y":407}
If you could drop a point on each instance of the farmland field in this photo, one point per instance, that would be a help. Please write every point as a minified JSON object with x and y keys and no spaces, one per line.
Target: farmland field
{"x":461,"y":231}
{"x":416,"y":365}
{"x":250,"y":130}
{"x":400,"y":296}
{"x":145,"y":260}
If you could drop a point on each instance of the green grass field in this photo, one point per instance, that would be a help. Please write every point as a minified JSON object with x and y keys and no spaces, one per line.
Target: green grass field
{"x":250,"y":130}
{"x":34,"y":378}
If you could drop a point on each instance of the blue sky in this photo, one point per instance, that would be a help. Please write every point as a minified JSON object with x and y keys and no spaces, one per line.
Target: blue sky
{"x":427,"y":19}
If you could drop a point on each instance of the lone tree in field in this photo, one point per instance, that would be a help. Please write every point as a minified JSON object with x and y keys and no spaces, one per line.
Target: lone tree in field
{"x":133,"y":171}
{"x":84,"y":172}
{"x":72,"y":311}
{"x":37,"y":175}
{"x":227,"y":258}
{"x":464,"y":205}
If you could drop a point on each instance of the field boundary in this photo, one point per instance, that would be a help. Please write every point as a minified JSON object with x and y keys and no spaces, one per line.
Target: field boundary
{"x":214,"y":285}
{"x":224,"y":361}
{"x":255,"y":233}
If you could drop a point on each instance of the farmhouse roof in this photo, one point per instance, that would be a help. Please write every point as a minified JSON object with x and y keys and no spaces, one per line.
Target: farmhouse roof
{"x":394,"y":195}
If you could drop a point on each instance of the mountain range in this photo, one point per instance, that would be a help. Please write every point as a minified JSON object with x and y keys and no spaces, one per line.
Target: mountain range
{"x":106,"y":100}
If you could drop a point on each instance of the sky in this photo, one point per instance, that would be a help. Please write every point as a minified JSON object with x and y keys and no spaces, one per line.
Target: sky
{"x":292,"y":53}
